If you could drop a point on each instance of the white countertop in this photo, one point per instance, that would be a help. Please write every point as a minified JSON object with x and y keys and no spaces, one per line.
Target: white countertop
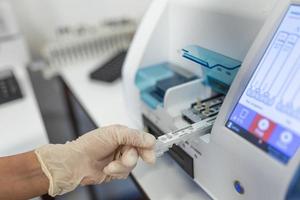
{"x":21,"y":125}
{"x":105,"y":105}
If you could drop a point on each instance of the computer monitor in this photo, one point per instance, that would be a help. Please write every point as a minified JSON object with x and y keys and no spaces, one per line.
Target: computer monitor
{"x":267,"y":113}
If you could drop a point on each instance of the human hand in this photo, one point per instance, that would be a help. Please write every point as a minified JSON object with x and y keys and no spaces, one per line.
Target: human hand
{"x":99,"y":156}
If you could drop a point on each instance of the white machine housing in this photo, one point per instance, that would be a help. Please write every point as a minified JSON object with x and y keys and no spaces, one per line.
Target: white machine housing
{"x":228,"y":27}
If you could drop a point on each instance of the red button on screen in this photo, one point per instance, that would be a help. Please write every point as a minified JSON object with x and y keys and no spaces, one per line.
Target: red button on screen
{"x":262,"y":127}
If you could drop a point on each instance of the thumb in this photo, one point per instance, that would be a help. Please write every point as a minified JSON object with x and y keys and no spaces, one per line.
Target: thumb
{"x":132,"y":137}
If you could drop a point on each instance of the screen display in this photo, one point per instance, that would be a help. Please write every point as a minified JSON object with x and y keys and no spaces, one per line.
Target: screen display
{"x":268,"y":112}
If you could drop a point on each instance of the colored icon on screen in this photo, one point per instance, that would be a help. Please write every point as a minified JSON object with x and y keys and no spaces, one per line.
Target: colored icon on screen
{"x":262,"y":127}
{"x":263,"y":124}
{"x":286,"y":137}
{"x":244,"y":113}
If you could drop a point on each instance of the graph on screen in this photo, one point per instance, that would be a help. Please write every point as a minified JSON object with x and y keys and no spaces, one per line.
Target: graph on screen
{"x":277,"y":80}
{"x":268,"y":112}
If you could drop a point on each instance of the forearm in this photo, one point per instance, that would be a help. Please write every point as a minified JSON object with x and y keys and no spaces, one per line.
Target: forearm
{"x":21,"y":177}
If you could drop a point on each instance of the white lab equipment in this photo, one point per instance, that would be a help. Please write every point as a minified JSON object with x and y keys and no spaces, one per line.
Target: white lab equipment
{"x":180,"y":66}
{"x":166,"y":141}
{"x":83,"y":44}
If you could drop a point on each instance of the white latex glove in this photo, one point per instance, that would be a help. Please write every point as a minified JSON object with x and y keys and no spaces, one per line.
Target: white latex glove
{"x":98,"y":156}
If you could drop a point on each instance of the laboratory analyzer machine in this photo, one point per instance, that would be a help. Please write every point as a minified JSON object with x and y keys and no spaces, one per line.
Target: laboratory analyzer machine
{"x":219,"y":86}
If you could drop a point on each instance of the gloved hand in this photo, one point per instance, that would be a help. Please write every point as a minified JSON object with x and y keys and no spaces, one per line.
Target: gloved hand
{"x":99,"y":156}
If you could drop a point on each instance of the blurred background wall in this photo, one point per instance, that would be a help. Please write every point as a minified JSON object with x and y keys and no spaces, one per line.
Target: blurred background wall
{"x":40,"y":19}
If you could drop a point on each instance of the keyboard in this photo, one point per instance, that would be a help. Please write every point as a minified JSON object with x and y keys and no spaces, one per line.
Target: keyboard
{"x":9,"y":87}
{"x":111,"y":70}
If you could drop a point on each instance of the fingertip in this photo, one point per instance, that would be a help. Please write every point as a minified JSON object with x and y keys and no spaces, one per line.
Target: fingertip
{"x":149,"y":140}
{"x":151,"y":158}
{"x":114,"y":167}
{"x":148,"y":156}
{"x":108,"y":169}
{"x":130,"y":158}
